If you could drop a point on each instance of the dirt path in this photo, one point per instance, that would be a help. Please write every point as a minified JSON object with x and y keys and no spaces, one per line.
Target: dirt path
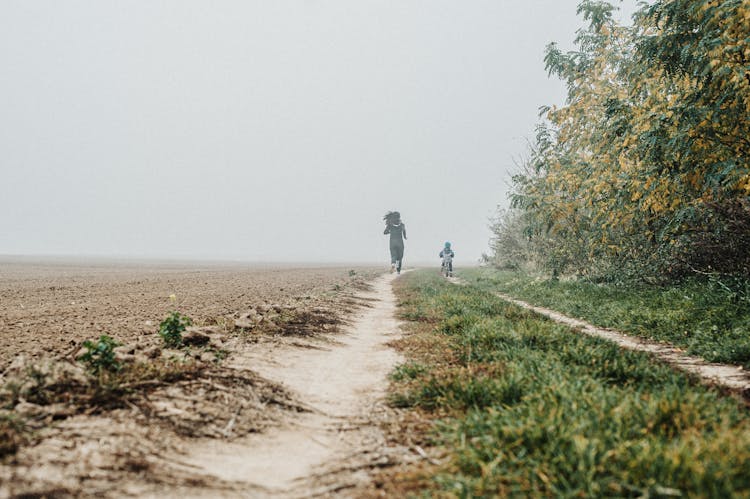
{"x":733,"y":377}
{"x":329,"y":449}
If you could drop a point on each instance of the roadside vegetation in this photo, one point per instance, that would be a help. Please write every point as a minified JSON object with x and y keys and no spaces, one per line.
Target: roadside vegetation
{"x":704,"y":318}
{"x":643,"y":175}
{"x":632,"y":210}
{"x":522,"y":407}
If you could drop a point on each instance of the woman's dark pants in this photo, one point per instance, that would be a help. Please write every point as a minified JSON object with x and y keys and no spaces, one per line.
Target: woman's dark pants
{"x":397,"y":253}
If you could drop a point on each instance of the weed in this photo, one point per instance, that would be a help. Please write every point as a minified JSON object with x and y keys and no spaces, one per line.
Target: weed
{"x":220,"y":354}
{"x":172,"y":327}
{"x":100,"y":355}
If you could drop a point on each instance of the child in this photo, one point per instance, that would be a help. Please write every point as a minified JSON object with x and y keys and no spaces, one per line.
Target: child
{"x":447,"y":255}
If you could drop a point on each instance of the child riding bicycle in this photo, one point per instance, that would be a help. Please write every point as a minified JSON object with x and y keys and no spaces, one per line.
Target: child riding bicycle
{"x":447,"y":255}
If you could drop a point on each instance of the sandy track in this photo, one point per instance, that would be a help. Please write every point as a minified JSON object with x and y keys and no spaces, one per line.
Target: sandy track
{"x":329,"y":449}
{"x":725,"y":375}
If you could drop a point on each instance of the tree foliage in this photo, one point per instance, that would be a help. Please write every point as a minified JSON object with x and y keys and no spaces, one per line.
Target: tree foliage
{"x":646,"y":168}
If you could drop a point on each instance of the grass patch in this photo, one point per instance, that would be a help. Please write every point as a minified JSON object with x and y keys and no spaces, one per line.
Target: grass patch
{"x":522,"y":407}
{"x":704,"y":317}
{"x":408,"y":370}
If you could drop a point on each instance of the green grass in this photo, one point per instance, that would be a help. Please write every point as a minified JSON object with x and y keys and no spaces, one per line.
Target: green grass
{"x":526,"y":408}
{"x":702,"y":317}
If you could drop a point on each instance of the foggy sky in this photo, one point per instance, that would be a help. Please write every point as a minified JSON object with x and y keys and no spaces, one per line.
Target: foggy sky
{"x":266,"y":130}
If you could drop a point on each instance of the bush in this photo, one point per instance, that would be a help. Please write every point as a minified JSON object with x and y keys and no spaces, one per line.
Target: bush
{"x":511,"y":248}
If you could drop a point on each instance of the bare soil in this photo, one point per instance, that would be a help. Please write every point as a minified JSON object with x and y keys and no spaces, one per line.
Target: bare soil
{"x":284,"y":399}
{"x":47,"y":309}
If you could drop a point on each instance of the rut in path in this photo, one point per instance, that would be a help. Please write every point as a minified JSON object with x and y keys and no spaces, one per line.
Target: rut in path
{"x":330,"y":448}
{"x":725,"y":375}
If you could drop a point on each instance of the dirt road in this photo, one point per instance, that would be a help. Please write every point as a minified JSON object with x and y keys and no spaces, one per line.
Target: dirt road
{"x":343,"y":382}
{"x":730,"y":376}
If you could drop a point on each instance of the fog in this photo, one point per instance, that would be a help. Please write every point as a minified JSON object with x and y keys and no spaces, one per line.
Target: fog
{"x":267,"y":130}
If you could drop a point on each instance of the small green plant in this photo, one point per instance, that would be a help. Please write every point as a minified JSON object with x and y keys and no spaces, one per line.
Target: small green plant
{"x":100,"y":355}
{"x":172,"y":327}
{"x":352,"y":273}
{"x":220,"y":354}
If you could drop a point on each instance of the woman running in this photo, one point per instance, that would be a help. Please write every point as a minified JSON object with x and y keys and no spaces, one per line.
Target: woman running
{"x":396,"y":228}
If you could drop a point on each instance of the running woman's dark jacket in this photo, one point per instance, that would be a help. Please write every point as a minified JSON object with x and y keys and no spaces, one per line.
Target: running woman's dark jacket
{"x":398,"y":234}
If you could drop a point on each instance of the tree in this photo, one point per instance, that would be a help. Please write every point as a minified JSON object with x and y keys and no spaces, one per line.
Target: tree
{"x":645,"y":168}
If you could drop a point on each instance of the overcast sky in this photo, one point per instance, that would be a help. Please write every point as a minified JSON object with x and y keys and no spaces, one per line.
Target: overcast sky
{"x":266,"y":130}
